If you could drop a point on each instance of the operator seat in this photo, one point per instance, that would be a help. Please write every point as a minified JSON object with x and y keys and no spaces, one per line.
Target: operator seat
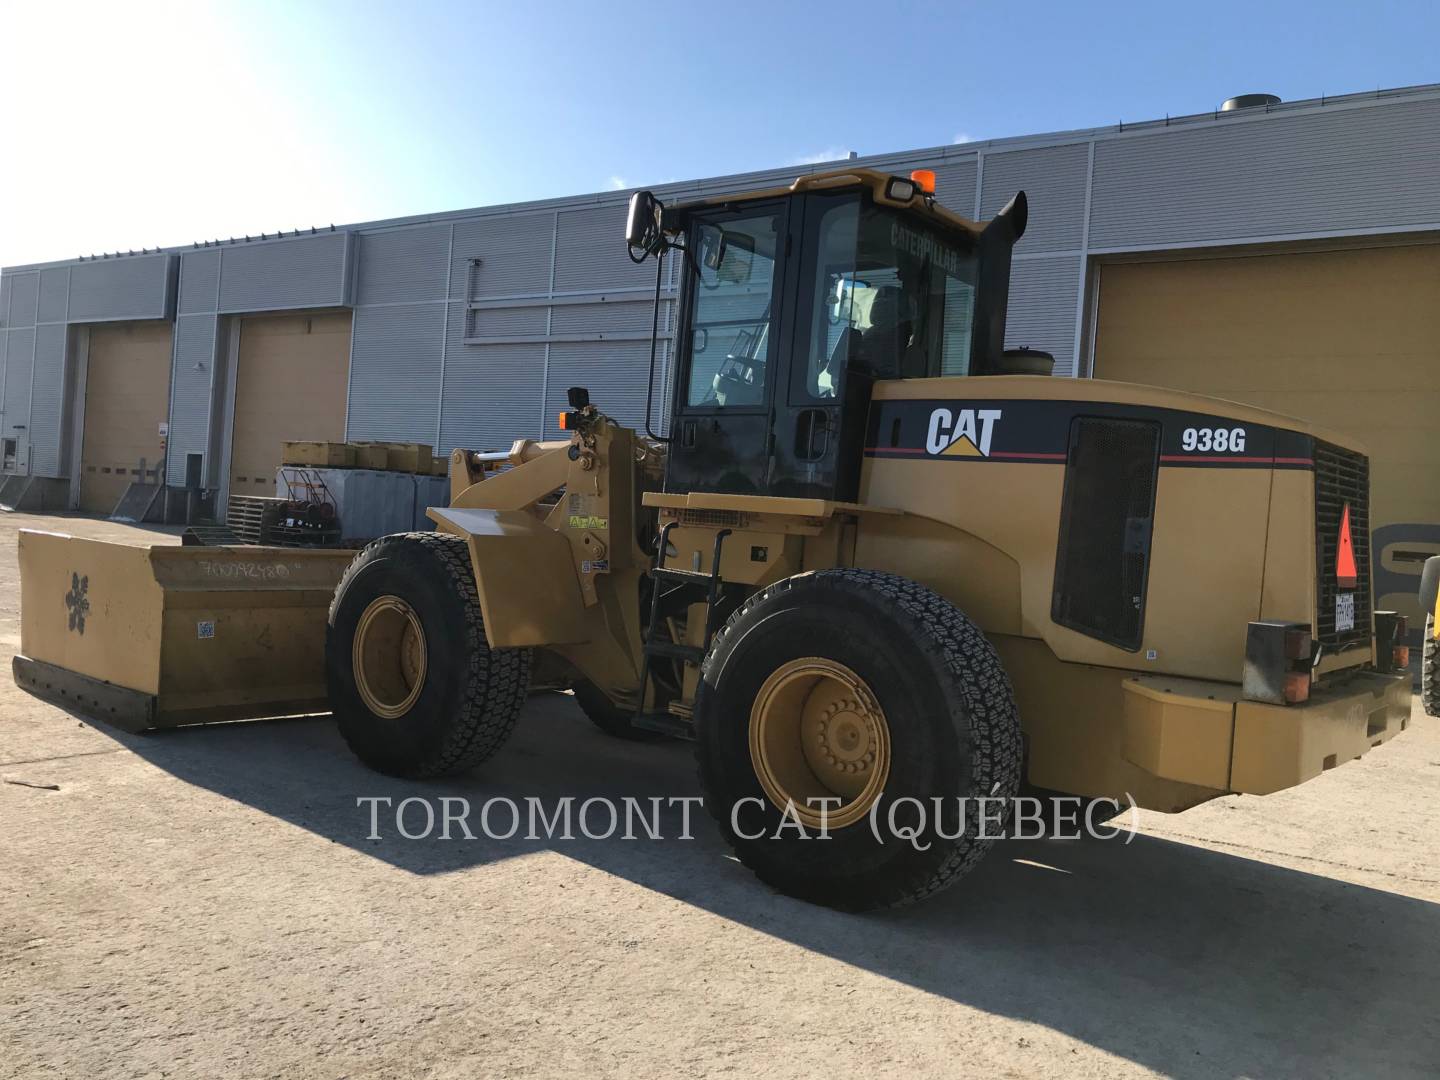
{"x":884,"y":343}
{"x":843,"y":357}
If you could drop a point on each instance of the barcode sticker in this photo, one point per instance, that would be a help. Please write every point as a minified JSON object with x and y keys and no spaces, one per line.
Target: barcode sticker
{"x":205,"y":628}
{"x":1344,"y":611}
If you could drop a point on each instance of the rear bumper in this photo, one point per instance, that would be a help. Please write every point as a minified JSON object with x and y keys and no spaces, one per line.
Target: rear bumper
{"x":1204,"y":733}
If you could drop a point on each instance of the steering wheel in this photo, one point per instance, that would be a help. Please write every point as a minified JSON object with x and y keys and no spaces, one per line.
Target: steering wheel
{"x":740,"y":379}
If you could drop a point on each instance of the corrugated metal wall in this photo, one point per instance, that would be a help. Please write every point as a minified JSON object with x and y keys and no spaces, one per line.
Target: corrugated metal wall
{"x":284,"y":275}
{"x":192,"y":379}
{"x":468,"y":327}
{"x":22,"y":304}
{"x":19,"y":363}
{"x":134,"y":287}
{"x":395,"y":372}
{"x":1323,"y":171}
{"x":46,"y":381}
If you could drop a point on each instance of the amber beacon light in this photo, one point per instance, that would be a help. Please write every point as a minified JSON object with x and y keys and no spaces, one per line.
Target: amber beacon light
{"x":924,"y":180}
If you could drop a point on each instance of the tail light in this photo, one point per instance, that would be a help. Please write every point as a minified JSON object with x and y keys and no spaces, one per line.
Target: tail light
{"x":1391,"y":652}
{"x":1277,"y":663}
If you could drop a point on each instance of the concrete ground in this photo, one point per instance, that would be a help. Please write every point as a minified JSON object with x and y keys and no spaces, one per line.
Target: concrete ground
{"x":205,"y":903}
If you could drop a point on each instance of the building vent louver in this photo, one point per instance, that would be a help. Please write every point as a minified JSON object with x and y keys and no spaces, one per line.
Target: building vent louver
{"x":1249,"y":101}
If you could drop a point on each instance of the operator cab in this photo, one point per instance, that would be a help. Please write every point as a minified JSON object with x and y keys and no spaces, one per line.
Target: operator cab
{"x":795,"y":302}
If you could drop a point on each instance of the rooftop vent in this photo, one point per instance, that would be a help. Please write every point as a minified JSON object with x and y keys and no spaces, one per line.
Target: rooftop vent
{"x":1249,"y":101}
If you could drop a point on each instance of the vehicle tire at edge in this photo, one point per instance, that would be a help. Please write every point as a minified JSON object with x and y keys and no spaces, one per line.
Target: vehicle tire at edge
{"x":471,"y":695}
{"x":1430,"y":669}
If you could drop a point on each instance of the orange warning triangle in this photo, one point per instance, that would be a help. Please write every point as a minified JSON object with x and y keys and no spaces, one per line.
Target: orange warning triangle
{"x":1345,"y":575}
{"x":962,"y":447}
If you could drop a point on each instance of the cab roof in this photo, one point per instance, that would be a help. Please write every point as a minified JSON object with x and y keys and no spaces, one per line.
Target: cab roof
{"x":876,"y":182}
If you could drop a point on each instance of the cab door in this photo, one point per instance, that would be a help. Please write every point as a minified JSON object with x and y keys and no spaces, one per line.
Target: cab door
{"x":820,"y":405}
{"x":734,"y":349}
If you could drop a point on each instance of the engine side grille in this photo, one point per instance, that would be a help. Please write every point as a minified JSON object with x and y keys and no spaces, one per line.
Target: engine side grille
{"x":1342,"y":477}
{"x":720,"y":519}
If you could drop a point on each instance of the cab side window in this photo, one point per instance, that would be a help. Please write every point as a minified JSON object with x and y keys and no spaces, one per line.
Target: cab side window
{"x":733,"y":344}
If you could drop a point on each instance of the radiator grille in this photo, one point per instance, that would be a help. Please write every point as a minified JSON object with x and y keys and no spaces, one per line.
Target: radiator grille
{"x":1342,"y":477}
{"x":719,"y":519}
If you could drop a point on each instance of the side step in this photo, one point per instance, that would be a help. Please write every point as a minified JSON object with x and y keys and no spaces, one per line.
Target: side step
{"x":666,"y":724}
{"x":669,"y":650}
{"x":656,"y":645}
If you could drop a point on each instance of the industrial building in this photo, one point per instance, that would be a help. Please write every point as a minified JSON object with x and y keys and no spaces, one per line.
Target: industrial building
{"x":1282,"y":254}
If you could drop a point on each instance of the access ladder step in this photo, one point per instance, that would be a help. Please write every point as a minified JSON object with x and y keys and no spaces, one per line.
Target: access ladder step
{"x":671,"y":651}
{"x":666,"y":724}
{"x":688,"y":577}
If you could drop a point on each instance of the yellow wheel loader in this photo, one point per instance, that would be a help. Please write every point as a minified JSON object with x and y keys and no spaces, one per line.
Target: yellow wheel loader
{"x":878,"y":567}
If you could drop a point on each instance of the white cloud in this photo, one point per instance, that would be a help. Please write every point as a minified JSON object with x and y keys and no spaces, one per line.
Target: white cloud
{"x":830,"y":153}
{"x":963,"y":137}
{"x":618,"y":183}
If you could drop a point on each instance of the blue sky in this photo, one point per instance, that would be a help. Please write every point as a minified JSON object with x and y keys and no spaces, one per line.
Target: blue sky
{"x":135,"y":124}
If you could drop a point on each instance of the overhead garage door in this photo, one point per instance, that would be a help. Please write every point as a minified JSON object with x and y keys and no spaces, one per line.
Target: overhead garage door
{"x":1348,"y":339}
{"x":127,"y":398}
{"x":290,"y":385}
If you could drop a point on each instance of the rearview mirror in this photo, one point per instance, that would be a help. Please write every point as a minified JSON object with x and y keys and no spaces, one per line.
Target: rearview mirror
{"x":642,"y":224}
{"x":712,"y":247}
{"x":724,"y":258}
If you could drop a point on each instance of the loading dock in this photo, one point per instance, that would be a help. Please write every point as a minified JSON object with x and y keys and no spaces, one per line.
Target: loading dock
{"x":290,"y":384}
{"x":126,"y":401}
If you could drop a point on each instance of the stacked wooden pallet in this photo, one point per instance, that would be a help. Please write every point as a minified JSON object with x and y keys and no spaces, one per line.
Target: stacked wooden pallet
{"x":414,"y":458}
{"x":251,"y":517}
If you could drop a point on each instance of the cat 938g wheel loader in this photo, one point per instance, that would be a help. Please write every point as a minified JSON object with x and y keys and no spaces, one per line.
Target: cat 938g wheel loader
{"x":879,"y":567}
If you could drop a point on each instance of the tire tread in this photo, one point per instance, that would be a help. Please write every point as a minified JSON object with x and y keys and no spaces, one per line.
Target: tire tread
{"x":1430,"y":670}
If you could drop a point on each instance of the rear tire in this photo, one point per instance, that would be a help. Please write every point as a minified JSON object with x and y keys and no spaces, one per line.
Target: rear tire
{"x":417,"y":690}
{"x":1430,"y":669}
{"x":607,"y":717}
{"x":938,"y":723}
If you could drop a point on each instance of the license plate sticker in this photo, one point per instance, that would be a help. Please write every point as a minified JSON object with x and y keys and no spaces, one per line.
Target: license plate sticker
{"x":1345,"y":611}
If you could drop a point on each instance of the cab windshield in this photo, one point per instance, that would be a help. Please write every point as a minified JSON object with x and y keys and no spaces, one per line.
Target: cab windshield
{"x":893,"y":297}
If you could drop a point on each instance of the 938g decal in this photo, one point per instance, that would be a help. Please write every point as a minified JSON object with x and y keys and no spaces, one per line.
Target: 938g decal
{"x":1218,"y":440}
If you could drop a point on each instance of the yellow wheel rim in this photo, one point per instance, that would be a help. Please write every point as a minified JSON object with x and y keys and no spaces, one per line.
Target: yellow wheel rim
{"x":388,"y":656}
{"x":817,"y":732}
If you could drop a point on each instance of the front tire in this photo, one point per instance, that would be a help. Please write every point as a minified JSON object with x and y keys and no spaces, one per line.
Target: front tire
{"x":867,"y":688}
{"x":416,"y":689}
